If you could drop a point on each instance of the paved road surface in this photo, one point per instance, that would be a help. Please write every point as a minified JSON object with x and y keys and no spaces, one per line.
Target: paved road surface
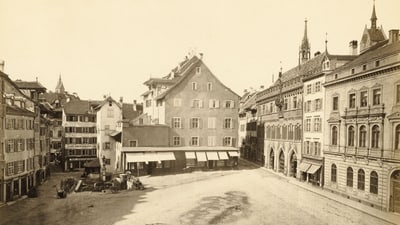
{"x":248,"y":196}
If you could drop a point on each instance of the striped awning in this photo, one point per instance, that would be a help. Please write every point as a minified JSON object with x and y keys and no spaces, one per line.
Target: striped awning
{"x":150,"y":157}
{"x":314,"y":168}
{"x":304,"y":167}
{"x":212,"y":156}
{"x":201,"y":157}
{"x":223,"y":155}
{"x":190,"y":155}
{"x":233,"y":154}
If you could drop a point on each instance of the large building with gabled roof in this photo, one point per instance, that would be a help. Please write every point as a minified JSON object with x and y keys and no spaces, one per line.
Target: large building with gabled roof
{"x":201,"y":112}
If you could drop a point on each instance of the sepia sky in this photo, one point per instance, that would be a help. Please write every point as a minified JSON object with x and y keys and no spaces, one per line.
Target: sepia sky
{"x":112,"y":47}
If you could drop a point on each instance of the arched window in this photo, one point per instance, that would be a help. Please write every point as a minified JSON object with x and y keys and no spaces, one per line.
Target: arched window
{"x":290,"y":132}
{"x":397,"y":137}
{"x":350,"y":136}
{"x":273,"y":132}
{"x":349,"y":182}
{"x":284,"y":132}
{"x":363,"y":136}
{"x":373,"y":183}
{"x":333,"y":173}
{"x":375,"y":136}
{"x":361,"y":179}
{"x":268,"y":132}
{"x":334,"y":135}
{"x":278,"y":132}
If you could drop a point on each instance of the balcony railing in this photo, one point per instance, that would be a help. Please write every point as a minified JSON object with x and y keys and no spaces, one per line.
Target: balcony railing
{"x":365,"y":152}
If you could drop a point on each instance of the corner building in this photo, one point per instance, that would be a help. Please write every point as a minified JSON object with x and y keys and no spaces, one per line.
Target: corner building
{"x":362,"y":141}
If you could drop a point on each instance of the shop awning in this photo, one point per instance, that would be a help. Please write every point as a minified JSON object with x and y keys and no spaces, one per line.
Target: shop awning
{"x":313,"y":169}
{"x":201,"y":157}
{"x":232,"y":154}
{"x":212,"y":156}
{"x":190,"y":155}
{"x":165,"y":156}
{"x":304,"y":167}
{"x":223,"y":155}
{"x":150,"y":157}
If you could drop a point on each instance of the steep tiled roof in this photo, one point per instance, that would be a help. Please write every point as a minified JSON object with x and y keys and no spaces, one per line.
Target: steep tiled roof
{"x":79,"y":107}
{"x":15,"y":110}
{"x":51,"y":97}
{"x":29,"y":85}
{"x":128,"y":113}
{"x":184,"y":71}
{"x":106,"y":100}
{"x":376,"y":52}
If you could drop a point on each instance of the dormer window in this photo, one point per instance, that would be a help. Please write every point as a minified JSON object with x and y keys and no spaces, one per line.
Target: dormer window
{"x":364,"y":67}
{"x":377,"y":63}
{"x":336,"y":76}
{"x":353,"y":71}
{"x":194,"y":86}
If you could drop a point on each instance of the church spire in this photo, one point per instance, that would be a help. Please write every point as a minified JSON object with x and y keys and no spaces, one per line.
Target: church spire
{"x":60,"y":86}
{"x":305,"y":51}
{"x":373,"y":17}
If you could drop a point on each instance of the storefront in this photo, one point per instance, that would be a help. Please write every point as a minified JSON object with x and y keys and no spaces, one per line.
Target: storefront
{"x":144,"y":163}
{"x":311,"y":172}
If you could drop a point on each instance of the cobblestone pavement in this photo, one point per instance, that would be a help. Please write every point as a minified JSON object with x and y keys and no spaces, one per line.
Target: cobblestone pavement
{"x":245,"y":196}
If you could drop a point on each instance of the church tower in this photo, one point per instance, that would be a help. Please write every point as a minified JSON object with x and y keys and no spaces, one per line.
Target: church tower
{"x":372,"y":35}
{"x":305,"y":47}
{"x":60,"y":86}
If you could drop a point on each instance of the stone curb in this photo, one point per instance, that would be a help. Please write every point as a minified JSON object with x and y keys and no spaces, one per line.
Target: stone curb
{"x":392,"y":221}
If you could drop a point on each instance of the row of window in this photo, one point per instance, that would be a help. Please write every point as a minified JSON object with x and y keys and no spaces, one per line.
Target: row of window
{"x":81,"y":152}
{"x":362,"y":136}
{"x":211,"y":141}
{"x":310,"y":106}
{"x":289,"y":103}
{"x":17,"y":167}
{"x":19,"y":124}
{"x":79,"y":140}
{"x":81,"y":118}
{"x":17,"y":145}
{"x":363,"y":99}
{"x":196,"y":122}
{"x":316,"y":123}
{"x":373,"y":179}
{"x":312,"y":148}
{"x":312,"y":88}
{"x":195,"y":86}
{"x":285,"y":132}
{"x":212,"y":103}
{"x":80,"y":130}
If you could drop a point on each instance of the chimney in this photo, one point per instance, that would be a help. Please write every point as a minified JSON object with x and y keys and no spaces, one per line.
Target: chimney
{"x":121,"y":100}
{"x":134,"y":105}
{"x":353,"y":45}
{"x":393,"y":36}
{"x":201,"y":55}
{"x":317,"y":53}
{"x":262,"y":87}
{"x":2,"y":65}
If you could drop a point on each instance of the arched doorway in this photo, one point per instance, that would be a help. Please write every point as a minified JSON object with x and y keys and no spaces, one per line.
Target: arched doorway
{"x":293,"y":165}
{"x":271,"y":159}
{"x":395,"y":191}
{"x":281,"y":167}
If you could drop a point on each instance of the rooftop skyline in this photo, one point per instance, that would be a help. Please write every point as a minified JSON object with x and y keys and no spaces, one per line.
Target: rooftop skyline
{"x":103,"y":47}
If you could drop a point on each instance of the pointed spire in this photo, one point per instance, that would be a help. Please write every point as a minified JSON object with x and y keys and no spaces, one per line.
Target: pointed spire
{"x":60,"y":86}
{"x":373,"y":17}
{"x":305,"y":51}
{"x":326,"y":42}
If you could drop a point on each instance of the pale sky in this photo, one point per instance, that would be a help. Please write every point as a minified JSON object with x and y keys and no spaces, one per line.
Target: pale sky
{"x":112,"y":47}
